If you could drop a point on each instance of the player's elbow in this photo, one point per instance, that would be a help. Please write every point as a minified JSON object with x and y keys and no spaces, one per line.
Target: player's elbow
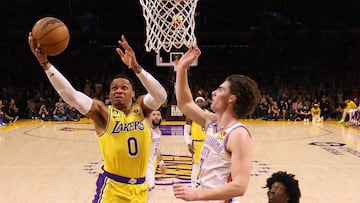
{"x":155,"y":102}
{"x":163,"y":96}
{"x":238,"y":189}
{"x":239,"y":192}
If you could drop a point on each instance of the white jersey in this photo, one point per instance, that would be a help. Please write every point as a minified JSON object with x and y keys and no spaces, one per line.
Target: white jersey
{"x":154,"y":149}
{"x":215,"y":163}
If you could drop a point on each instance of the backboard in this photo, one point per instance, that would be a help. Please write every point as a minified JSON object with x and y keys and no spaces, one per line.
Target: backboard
{"x":166,"y":59}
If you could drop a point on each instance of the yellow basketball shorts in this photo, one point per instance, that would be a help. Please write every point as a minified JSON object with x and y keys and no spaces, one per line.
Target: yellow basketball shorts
{"x":111,"y":190}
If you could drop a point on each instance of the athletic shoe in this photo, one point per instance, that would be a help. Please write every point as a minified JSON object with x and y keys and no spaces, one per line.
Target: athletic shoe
{"x":15,"y":119}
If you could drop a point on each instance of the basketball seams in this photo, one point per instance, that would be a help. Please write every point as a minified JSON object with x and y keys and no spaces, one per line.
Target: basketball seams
{"x":50,"y":31}
{"x":67,"y":37}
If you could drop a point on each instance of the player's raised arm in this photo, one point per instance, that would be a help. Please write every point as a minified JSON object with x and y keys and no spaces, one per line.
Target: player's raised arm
{"x":75,"y":98}
{"x":183,"y":93}
{"x":156,"y":95}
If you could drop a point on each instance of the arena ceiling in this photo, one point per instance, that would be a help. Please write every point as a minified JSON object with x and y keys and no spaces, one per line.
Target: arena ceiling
{"x":222,"y":18}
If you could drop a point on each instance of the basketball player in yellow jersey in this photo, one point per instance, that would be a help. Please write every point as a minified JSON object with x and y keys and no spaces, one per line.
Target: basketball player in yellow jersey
{"x":315,"y":113}
{"x":124,"y":137}
{"x":196,"y":141}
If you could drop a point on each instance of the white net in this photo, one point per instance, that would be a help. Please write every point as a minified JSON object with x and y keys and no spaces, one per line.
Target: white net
{"x":169,"y":23}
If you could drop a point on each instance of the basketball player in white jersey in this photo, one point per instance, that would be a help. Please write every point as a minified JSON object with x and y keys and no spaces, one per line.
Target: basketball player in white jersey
{"x":226,"y":156}
{"x":155,"y":155}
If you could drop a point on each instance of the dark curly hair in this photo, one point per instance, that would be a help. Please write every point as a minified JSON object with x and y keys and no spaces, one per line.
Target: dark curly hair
{"x":247,"y":93}
{"x":291,"y":184}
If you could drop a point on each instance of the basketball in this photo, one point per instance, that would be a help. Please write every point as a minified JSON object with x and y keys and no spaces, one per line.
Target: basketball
{"x":52,"y":34}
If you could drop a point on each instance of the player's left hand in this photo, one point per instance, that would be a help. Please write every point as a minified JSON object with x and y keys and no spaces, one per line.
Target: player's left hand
{"x":188,"y":58}
{"x":36,"y":49}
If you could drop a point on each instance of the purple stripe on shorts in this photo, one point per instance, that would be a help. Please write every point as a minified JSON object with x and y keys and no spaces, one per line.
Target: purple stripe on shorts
{"x":100,"y":186}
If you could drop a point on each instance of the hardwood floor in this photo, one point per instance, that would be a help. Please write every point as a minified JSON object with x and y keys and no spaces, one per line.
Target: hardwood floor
{"x":59,"y":161}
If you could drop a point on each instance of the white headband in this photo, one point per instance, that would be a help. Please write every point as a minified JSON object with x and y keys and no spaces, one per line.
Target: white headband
{"x":199,"y":98}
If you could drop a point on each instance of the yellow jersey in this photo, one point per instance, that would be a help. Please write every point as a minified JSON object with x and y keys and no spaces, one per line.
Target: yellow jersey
{"x":125,"y":143}
{"x":350,"y":105}
{"x":197,"y":132}
{"x":315,"y":112}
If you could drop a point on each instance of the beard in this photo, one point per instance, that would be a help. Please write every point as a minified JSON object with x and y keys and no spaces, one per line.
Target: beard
{"x":156,"y":124}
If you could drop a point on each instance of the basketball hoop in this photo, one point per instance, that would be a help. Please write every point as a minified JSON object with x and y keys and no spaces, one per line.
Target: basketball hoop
{"x":169,"y":23}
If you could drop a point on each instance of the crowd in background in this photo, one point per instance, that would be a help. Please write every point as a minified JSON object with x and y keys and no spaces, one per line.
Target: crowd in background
{"x":295,"y":66}
{"x":293,"y":73}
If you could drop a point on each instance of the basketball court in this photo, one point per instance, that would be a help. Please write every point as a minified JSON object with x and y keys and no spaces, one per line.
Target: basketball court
{"x":59,"y":161}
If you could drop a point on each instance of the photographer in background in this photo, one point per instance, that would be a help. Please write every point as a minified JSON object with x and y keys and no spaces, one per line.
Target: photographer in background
{"x":44,"y":113}
{"x":73,"y":114}
{"x":59,"y":113}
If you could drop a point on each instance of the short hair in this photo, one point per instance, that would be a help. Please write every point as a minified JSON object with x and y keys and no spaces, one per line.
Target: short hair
{"x":247,"y":92}
{"x":125,"y":77}
{"x":291,"y":184}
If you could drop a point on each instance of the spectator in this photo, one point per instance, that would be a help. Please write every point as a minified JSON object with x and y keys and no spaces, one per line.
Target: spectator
{"x":59,"y":113}
{"x":98,"y":90}
{"x":31,"y":109}
{"x":87,"y":88}
{"x":13,"y":109}
{"x":304,"y":113}
{"x":273,"y":110}
{"x":292,"y":113}
{"x":44,"y":113}
{"x":298,"y":105}
{"x":73,"y":114}
{"x":348,"y":110}
{"x":325,"y":108}
{"x":284,"y":108}
{"x":61,"y":103}
{"x":107,"y":99}
{"x":262,"y":108}
{"x":316,"y":114}
{"x":4,"y":117}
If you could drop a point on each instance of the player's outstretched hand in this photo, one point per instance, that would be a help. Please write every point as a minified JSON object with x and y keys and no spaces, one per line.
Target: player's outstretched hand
{"x":36,"y":49}
{"x":191,"y":55}
{"x":128,"y":55}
